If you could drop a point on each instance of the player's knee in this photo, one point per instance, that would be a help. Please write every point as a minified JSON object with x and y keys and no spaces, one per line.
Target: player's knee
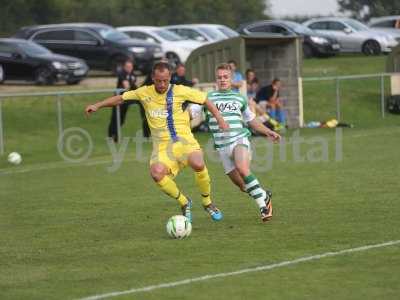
{"x":197,"y":166}
{"x":157,"y":172}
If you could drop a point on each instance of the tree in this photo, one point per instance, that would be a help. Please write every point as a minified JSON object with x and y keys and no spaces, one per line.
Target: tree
{"x":17,"y":13}
{"x":365,"y":9}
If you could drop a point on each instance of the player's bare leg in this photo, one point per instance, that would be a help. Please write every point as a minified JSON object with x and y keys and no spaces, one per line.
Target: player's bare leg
{"x":237,"y":179}
{"x":196,"y":162}
{"x":241,"y":155}
{"x":161,"y":175}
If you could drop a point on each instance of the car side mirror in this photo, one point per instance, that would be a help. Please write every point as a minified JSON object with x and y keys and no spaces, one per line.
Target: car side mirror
{"x":347,"y":30}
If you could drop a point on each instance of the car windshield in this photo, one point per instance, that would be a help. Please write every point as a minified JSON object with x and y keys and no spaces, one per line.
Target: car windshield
{"x":227,"y":31}
{"x":298,"y":28}
{"x":33,"y":49}
{"x":168,"y":35}
{"x":356,"y":25}
{"x":111,"y":34}
{"x":212,"y":33}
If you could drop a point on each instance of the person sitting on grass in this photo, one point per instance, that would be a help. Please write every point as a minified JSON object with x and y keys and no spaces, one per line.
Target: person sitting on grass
{"x":269,"y":102}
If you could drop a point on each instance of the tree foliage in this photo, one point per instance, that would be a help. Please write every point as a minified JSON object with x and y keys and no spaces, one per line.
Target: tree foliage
{"x":365,"y":9}
{"x":17,"y":13}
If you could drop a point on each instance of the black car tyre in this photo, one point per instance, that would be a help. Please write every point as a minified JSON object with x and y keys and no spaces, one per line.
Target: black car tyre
{"x":371,"y":47}
{"x":43,"y":75}
{"x":2,"y":75}
{"x":173,"y":59}
{"x":307,"y":51}
{"x":73,"y":81}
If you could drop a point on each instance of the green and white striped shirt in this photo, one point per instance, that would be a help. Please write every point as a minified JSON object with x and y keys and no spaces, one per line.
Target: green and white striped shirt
{"x":235,"y":111}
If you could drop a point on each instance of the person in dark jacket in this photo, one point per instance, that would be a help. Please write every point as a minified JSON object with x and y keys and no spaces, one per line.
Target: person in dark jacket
{"x":126,"y":81}
{"x":179,"y":77}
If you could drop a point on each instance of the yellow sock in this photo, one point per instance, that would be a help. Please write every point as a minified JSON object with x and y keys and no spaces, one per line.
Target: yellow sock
{"x":169,"y":187}
{"x":203,"y":182}
{"x":272,"y":121}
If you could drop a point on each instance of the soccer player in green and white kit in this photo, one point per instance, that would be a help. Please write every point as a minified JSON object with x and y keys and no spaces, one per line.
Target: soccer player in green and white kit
{"x":233,"y":145}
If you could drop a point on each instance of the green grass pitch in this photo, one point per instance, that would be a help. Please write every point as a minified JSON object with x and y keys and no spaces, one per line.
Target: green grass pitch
{"x":69,"y":231}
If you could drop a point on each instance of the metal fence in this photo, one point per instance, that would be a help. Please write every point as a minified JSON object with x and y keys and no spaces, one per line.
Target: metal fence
{"x":338,"y":79}
{"x":58,"y":97}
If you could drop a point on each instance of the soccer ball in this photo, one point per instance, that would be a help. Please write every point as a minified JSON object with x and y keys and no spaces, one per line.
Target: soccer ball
{"x":178,"y":227}
{"x":14,"y":158}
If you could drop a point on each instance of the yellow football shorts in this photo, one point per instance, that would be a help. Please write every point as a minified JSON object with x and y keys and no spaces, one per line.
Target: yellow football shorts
{"x":174,"y":155}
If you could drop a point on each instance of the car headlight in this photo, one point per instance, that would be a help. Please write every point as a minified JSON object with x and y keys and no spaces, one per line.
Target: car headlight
{"x":319,"y":40}
{"x":59,"y":66}
{"x":137,"y":49}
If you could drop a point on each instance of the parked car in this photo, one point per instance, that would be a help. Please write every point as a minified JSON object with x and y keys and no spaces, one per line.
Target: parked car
{"x":389,"y":24}
{"x":100,"y":45}
{"x":204,"y":33}
{"x":26,"y":60}
{"x":314,"y":44}
{"x":175,"y":48}
{"x":353,"y":35}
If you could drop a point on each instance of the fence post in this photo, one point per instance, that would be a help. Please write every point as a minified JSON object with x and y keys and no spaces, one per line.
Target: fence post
{"x":118,"y":111}
{"x":1,"y":130}
{"x":337,"y":99}
{"x":60,"y":119}
{"x":383,"y":95}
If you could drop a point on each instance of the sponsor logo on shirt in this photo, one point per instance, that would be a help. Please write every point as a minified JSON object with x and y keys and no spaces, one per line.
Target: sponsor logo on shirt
{"x":227,"y":107}
{"x":158,"y":113}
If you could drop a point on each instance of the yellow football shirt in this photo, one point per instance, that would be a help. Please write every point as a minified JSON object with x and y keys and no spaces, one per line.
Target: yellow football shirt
{"x":163,"y":118}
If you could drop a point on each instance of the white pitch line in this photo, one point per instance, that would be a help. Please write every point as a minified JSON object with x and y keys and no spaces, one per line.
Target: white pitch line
{"x":239,"y":272}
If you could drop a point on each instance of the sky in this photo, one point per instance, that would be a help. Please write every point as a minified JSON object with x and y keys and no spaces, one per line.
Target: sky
{"x":303,"y":7}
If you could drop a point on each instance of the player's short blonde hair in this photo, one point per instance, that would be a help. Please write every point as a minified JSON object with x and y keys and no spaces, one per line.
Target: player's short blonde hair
{"x":223,"y":66}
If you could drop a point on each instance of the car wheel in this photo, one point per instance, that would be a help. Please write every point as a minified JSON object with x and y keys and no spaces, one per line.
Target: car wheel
{"x":43,"y":76}
{"x":2,"y":75}
{"x":371,"y":48}
{"x":73,"y":81}
{"x":173,"y":59}
{"x":307,"y":51}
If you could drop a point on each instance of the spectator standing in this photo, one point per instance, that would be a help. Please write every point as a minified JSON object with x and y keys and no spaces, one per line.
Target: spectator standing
{"x":179,"y":77}
{"x":126,"y":81}
{"x":237,"y":80}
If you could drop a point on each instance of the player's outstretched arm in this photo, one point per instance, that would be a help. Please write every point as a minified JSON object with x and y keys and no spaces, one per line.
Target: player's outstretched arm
{"x":259,"y":127}
{"x":112,"y":101}
{"x":215,"y":112}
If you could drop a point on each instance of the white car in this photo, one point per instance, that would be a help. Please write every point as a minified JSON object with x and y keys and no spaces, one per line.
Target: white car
{"x":353,"y":35}
{"x":176,"y":49}
{"x":205,"y":33}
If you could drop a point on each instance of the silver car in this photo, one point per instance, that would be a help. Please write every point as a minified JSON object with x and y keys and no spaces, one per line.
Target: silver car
{"x":204,"y":33}
{"x":353,"y":35}
{"x":389,"y":24}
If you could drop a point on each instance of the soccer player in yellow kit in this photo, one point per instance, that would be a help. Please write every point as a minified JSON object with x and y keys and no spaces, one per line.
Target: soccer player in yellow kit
{"x":174,"y":145}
